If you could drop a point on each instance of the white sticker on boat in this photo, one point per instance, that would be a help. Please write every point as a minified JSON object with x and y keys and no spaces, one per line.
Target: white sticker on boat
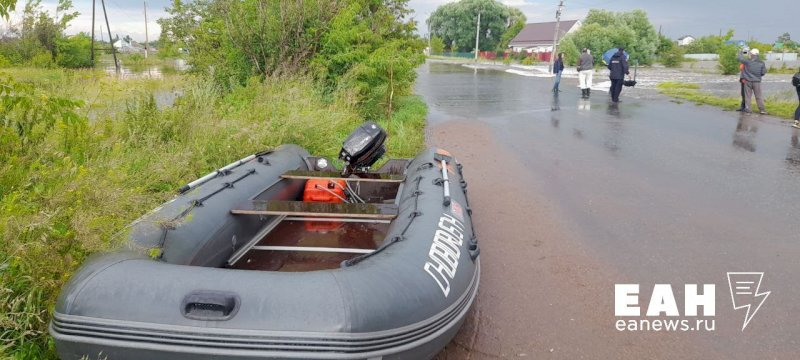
{"x":445,"y":252}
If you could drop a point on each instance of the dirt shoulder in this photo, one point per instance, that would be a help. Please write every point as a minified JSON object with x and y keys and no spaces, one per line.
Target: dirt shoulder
{"x":542,"y":293}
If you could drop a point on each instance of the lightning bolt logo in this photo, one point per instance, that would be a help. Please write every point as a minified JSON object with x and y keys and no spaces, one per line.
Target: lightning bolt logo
{"x":744,"y":293}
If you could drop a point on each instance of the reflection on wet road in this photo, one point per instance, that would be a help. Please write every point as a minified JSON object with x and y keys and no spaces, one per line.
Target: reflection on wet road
{"x":653,"y":191}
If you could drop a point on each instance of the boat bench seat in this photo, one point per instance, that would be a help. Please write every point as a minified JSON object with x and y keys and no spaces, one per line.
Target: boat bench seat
{"x":318,"y":209}
{"x":360,"y":177}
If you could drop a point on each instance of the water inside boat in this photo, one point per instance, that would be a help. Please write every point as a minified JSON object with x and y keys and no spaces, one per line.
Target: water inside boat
{"x":311,"y":234}
{"x":308,"y":236}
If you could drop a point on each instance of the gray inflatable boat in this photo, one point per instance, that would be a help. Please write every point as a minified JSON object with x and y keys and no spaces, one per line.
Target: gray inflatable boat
{"x":282,"y":256}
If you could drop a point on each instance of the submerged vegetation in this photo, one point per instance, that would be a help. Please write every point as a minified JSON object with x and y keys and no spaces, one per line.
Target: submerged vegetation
{"x":776,"y":105}
{"x":82,"y":154}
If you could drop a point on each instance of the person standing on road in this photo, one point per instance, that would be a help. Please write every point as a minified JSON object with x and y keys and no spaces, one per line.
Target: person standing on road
{"x":754,"y":70}
{"x":558,"y":68}
{"x":619,"y":68}
{"x":585,"y":72}
{"x":742,"y":80}
{"x":796,"y":83}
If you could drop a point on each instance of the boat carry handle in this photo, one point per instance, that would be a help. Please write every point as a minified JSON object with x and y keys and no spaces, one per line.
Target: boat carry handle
{"x":210,"y":305}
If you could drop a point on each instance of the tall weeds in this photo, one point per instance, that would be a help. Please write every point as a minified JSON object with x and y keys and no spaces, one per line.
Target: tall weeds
{"x":67,"y":196}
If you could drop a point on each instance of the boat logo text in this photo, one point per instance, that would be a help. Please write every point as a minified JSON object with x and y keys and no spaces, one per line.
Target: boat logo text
{"x":445,"y":252}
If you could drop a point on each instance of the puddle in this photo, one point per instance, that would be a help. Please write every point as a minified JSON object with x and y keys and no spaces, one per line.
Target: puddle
{"x":351,"y":235}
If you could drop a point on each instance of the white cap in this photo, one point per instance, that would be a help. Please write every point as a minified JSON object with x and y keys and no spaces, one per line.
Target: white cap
{"x":754,"y":51}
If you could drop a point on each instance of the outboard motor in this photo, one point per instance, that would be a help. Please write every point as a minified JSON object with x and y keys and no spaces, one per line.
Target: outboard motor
{"x":363,"y":148}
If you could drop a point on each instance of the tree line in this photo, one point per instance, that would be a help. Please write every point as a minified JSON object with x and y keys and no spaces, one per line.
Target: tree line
{"x":39,"y":39}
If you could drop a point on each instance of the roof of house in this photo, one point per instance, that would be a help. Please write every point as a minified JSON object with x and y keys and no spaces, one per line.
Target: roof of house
{"x":684,"y":37}
{"x":541,"y":33}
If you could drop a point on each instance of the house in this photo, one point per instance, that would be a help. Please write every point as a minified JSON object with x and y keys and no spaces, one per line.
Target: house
{"x":538,"y":37}
{"x":685,"y":40}
{"x":128,"y":46}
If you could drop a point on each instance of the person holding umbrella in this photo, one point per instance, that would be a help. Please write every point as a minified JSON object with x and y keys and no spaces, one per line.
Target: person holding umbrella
{"x":618,"y":65}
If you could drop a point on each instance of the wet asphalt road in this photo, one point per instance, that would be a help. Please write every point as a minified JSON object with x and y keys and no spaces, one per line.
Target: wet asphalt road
{"x":571,"y":197}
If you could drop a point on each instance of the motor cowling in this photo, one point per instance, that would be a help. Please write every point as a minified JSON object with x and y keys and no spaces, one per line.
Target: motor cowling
{"x":363,"y":147}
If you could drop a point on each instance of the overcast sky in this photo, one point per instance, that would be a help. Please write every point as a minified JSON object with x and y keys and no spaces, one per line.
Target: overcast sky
{"x":764,"y":20}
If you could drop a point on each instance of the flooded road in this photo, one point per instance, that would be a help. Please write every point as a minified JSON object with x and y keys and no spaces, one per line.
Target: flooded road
{"x":572,"y":197}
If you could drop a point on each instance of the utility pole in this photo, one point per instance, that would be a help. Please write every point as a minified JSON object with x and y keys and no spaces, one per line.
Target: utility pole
{"x":102,"y":39}
{"x":146,"y":37}
{"x":110,"y":39}
{"x":93,"y":6}
{"x":555,"y":36}
{"x":477,"y":37}
{"x":430,"y":48}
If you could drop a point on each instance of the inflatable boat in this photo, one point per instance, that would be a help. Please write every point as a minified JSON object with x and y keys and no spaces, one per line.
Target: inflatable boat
{"x":281,"y":255}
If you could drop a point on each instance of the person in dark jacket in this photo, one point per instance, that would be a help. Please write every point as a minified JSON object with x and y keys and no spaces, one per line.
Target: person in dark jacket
{"x":619,"y":68}
{"x":742,"y":80}
{"x":754,"y":70}
{"x":558,"y":68}
{"x":796,"y":83}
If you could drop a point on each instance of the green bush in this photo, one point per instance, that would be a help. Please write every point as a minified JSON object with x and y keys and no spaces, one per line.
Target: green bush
{"x":74,"y":52}
{"x":4,"y":62}
{"x":527,"y":61}
{"x":42,"y":60}
{"x":672,"y":58}
{"x":728,"y":59}
{"x":437,"y":45}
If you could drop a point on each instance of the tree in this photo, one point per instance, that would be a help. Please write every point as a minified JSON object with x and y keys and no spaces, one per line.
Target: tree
{"x":787,"y":42}
{"x":38,"y":33}
{"x":370,"y":51}
{"x":596,"y":38}
{"x":603,"y":30}
{"x":75,"y":51}
{"x":517,"y":21}
{"x":728,"y":55}
{"x":6,"y":7}
{"x":665,"y":44}
{"x":437,"y":45}
{"x":456,"y":24}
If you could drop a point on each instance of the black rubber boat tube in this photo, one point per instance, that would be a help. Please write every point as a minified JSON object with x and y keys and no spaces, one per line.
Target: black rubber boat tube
{"x":214,"y":174}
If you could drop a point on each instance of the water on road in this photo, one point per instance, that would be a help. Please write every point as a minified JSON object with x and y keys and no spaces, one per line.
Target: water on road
{"x":573,"y":196}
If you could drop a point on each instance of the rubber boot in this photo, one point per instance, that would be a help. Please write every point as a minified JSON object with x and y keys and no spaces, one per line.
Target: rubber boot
{"x":588,"y":92}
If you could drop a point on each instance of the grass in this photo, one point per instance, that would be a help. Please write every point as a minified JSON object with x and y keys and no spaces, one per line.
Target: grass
{"x":61,"y":201}
{"x":778,"y":105}
{"x":782,"y":70}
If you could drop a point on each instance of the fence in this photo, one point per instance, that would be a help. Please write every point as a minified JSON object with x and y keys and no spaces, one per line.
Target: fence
{"x":492,"y":55}
{"x":767,"y":57}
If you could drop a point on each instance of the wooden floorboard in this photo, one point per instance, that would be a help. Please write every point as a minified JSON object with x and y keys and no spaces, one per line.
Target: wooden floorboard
{"x":366,"y":177}
{"x":318,"y":209}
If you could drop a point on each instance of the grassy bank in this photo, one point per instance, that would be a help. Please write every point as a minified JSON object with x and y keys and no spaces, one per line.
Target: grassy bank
{"x":776,"y":105}
{"x":68,"y":185}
